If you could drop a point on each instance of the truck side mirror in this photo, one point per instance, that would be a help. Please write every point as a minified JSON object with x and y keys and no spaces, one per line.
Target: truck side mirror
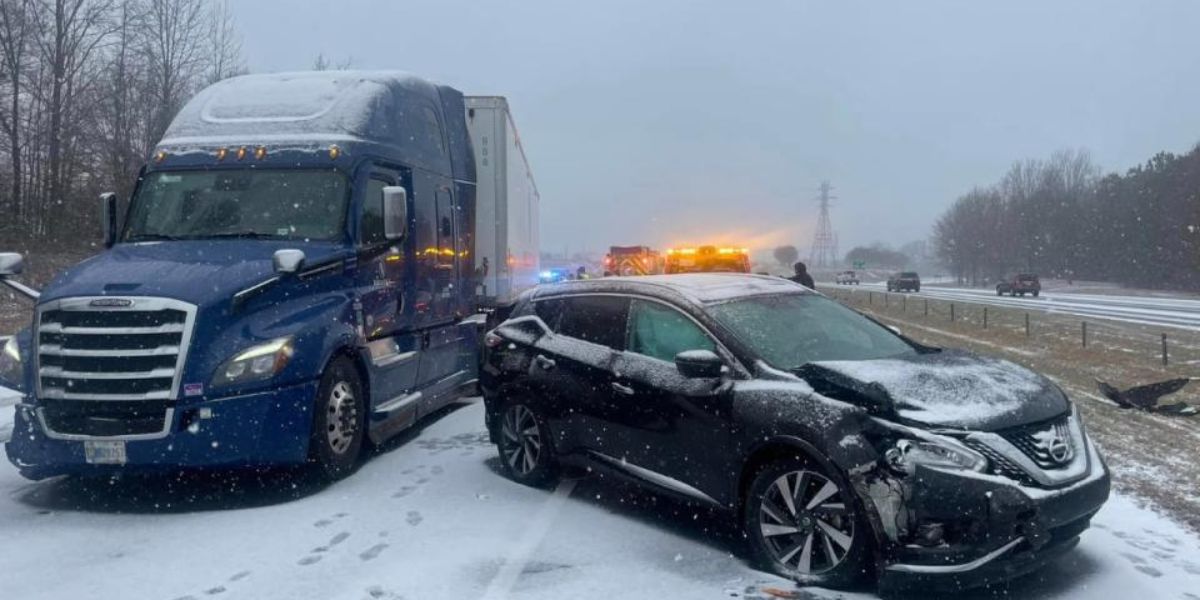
{"x":108,"y":213}
{"x":699,"y":364}
{"x":395,"y":212}
{"x":11,"y":263}
{"x":287,"y":261}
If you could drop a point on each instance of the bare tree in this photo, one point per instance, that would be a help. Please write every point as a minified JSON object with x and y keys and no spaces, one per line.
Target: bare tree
{"x":16,"y":26}
{"x":176,"y":49}
{"x":225,"y":52}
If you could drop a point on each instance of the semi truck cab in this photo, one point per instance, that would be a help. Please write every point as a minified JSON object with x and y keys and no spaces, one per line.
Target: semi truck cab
{"x":295,"y":275}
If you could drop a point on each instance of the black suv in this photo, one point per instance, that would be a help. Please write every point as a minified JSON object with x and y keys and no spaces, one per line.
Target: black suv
{"x":905,"y":281}
{"x":841,"y":447}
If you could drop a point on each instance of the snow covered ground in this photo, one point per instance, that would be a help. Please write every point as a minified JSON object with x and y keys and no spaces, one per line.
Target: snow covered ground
{"x":1179,"y":312}
{"x":430,"y":517}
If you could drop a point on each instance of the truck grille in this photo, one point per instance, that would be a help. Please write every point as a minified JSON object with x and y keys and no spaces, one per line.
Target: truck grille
{"x":110,"y":366}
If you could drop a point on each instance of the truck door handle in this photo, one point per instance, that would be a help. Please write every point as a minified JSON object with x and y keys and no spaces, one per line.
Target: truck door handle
{"x":622,"y":389}
{"x":545,"y":363}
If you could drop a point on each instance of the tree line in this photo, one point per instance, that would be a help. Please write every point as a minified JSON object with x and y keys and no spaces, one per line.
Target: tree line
{"x":87,"y":87}
{"x":1060,"y":217}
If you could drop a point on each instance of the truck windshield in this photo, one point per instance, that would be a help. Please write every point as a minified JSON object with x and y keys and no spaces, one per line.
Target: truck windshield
{"x":791,"y":330}
{"x":270,"y":204}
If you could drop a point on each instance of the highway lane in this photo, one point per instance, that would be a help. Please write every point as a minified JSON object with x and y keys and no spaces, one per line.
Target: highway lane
{"x":1176,"y":312}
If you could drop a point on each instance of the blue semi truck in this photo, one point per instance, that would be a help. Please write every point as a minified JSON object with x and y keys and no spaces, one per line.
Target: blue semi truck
{"x":299,"y":272}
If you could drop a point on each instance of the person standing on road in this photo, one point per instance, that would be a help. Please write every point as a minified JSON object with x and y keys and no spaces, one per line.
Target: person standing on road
{"x":802,"y":277}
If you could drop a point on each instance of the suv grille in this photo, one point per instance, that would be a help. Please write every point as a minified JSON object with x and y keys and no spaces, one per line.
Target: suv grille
{"x":109,"y":367}
{"x":1049,"y":445}
{"x":998,"y":465}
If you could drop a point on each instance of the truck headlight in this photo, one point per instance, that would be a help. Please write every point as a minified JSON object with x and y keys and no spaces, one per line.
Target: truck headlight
{"x":257,"y":363}
{"x":906,"y":454}
{"x":10,"y":362}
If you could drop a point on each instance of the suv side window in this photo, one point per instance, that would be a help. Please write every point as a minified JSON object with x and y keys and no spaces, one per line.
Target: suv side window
{"x":596,"y":319}
{"x":548,"y":311}
{"x":661,"y":332}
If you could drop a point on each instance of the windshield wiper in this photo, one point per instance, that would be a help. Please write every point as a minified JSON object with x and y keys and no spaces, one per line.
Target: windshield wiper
{"x":151,"y":237}
{"x":242,"y":235}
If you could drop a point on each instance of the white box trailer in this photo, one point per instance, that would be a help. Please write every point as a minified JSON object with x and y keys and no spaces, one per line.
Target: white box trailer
{"x":506,"y":208}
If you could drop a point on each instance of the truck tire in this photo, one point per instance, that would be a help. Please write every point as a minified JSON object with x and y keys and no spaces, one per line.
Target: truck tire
{"x":339,"y":421}
{"x":1035,"y":294}
{"x":999,"y":292}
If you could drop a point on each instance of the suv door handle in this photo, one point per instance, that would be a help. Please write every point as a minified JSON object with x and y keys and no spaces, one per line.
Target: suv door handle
{"x":622,"y":389}
{"x":545,"y":363}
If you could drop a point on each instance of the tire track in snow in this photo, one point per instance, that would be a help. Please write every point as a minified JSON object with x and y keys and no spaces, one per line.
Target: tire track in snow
{"x":501,"y":585}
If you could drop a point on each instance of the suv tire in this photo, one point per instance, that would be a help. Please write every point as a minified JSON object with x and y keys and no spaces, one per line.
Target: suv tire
{"x":818,"y":536}
{"x":526,"y":449}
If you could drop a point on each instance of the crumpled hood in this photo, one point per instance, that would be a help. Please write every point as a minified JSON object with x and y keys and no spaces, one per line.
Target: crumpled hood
{"x":950,"y":389}
{"x":200,"y":272}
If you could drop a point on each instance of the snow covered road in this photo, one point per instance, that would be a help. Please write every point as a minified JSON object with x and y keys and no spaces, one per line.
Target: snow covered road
{"x":1183,"y":313}
{"x":430,"y":517}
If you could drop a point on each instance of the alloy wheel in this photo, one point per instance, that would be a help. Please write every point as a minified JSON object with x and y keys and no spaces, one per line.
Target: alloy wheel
{"x":522,"y":439}
{"x":805,"y":522}
{"x":341,"y":422}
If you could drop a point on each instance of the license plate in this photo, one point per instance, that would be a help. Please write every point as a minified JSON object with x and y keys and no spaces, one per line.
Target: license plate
{"x":104,"y":453}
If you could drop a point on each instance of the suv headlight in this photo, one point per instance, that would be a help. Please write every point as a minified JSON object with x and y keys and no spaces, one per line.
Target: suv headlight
{"x":906,"y":454}
{"x":10,"y":362}
{"x":257,"y":363}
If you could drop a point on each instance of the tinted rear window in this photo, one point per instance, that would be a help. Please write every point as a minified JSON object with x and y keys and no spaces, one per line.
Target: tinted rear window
{"x":908,"y":275}
{"x":597,"y":319}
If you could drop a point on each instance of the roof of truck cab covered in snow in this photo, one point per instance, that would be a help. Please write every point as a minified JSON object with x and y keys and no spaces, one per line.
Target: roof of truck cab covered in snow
{"x":369,"y":112}
{"x":699,"y":288}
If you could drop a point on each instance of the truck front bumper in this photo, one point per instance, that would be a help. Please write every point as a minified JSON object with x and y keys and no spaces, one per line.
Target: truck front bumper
{"x":260,"y":429}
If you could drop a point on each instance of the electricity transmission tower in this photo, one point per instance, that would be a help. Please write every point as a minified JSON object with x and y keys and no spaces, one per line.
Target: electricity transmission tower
{"x":824,"y":251}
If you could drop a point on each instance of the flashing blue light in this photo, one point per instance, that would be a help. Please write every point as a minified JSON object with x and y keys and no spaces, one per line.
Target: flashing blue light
{"x":547,"y":275}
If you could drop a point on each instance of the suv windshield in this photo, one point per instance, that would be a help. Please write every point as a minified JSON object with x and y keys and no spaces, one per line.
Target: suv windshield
{"x":791,"y":330}
{"x":277,"y":204}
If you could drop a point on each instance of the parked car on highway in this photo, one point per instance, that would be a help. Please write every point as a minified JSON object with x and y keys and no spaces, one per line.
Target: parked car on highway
{"x":1019,"y":285}
{"x":841,"y":446}
{"x":904,"y":281}
{"x":846,"y":278}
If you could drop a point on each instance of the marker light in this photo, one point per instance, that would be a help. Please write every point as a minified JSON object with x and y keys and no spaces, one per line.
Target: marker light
{"x":334,"y":152}
{"x":222,"y":153}
{"x":160,"y":156}
{"x":241,"y":153}
{"x":260,"y":153}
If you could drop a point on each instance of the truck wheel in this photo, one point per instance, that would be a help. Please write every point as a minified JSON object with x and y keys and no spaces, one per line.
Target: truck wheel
{"x":1035,"y":294}
{"x":999,"y":292}
{"x":338,"y":421}
{"x":806,"y":525}
{"x":525,"y":446}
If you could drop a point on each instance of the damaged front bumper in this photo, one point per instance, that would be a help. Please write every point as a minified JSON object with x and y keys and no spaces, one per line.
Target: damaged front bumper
{"x":956,"y":528}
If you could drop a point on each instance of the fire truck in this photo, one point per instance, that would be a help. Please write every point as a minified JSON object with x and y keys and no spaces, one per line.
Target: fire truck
{"x":633,"y":260}
{"x":708,"y":259}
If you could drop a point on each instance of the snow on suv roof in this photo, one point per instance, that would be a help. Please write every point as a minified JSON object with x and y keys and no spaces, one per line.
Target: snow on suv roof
{"x":702,"y":288}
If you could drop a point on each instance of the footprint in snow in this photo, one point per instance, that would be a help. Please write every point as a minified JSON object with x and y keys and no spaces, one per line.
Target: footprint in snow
{"x":339,"y":538}
{"x":372,"y":552}
{"x":376,"y":592}
{"x":323,"y":523}
{"x":414,"y":518}
{"x":239,"y":576}
{"x":404,"y":491}
{"x":309,"y":560}
{"x":1151,"y":571}
{"x":1192,"y":569}
{"x":437,"y":470}
{"x":1133,"y":558}
{"x":220,"y":589}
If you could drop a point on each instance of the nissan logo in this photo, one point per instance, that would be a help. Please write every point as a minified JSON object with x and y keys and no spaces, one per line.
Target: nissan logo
{"x":1059,"y":449}
{"x":111,"y":303}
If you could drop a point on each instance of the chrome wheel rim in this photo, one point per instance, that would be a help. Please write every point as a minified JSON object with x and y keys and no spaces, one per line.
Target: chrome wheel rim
{"x":341,"y":419}
{"x":805,"y":522}
{"x":522,"y":441}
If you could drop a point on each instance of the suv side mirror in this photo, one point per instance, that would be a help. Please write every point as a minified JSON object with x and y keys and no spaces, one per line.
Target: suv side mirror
{"x":395,"y":212}
{"x":108,"y":213}
{"x":699,"y":364}
{"x":11,"y":263}
{"x":288,"y":261}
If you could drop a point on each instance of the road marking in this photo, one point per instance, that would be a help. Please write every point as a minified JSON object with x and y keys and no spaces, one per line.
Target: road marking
{"x":519,"y":554}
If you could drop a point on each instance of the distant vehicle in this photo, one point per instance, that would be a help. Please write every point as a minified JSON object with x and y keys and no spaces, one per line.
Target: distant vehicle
{"x":1019,"y":285}
{"x":708,"y":259}
{"x":296,"y":276}
{"x":633,"y":260}
{"x":904,"y":281}
{"x":846,"y":278}
{"x":840,"y":446}
{"x":554,"y":275}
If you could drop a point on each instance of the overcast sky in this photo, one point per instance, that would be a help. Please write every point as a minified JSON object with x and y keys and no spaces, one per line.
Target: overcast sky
{"x":671,"y":121}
